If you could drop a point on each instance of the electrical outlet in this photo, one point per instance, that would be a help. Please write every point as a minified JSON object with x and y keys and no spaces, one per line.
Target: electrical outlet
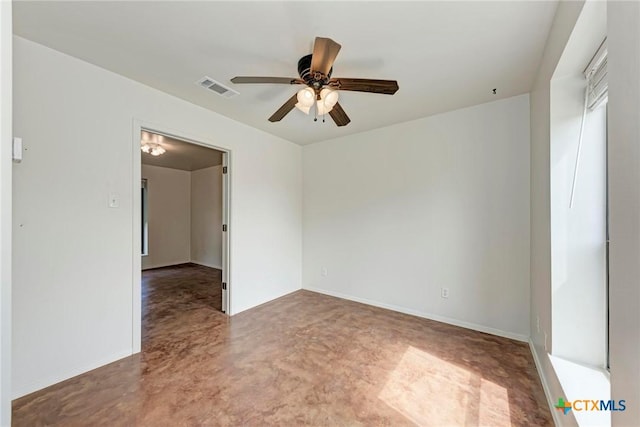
{"x":538,"y":323}
{"x":324,"y":272}
{"x":444,"y":292}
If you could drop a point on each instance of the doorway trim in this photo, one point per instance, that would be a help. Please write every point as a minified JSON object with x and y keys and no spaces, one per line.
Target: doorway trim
{"x":136,"y":279}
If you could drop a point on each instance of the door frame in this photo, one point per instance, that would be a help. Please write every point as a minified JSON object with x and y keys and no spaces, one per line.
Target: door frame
{"x":136,"y":280}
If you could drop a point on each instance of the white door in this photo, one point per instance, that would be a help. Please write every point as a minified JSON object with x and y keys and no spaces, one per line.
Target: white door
{"x":225,"y":232}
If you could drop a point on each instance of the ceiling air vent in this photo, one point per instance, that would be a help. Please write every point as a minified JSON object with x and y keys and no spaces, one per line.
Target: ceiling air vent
{"x":217,"y":87}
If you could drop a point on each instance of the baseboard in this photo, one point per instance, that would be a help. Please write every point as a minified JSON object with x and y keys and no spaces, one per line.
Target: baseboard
{"x":204,"y":264}
{"x":425,"y":315}
{"x":173,"y":264}
{"x":20,"y":391}
{"x":545,"y":384}
{"x":217,"y":267}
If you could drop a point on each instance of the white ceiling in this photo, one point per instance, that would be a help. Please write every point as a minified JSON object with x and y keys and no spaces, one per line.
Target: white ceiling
{"x":180,"y":155}
{"x":445,"y":55}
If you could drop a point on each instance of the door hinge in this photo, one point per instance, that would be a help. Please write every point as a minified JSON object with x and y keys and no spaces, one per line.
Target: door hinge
{"x":224,"y":286}
{"x":224,"y":227}
{"x":224,"y":169}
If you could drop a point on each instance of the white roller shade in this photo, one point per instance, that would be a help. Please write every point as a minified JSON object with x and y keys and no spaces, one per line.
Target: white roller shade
{"x":596,"y":74}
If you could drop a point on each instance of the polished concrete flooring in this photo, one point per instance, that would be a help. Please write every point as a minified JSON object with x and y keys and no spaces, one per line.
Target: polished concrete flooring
{"x":303,"y":359}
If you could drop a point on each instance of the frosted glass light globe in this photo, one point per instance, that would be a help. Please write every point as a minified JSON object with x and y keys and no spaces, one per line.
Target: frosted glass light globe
{"x":306,"y":97}
{"x":330,"y":97}
{"x":322,"y":108}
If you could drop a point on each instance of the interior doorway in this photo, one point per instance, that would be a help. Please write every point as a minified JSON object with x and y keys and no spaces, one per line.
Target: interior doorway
{"x":181,"y":221}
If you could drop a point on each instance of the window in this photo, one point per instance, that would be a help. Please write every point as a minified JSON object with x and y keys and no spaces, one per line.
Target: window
{"x":145,"y":219}
{"x":579,"y":212}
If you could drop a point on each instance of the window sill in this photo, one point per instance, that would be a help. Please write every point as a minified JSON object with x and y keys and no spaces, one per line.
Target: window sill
{"x":580,"y":382}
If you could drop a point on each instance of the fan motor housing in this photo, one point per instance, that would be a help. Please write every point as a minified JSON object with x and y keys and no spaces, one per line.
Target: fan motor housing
{"x":304,"y":70}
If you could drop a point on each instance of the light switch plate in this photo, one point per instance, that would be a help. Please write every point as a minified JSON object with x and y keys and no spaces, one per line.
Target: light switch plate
{"x":17,"y":150}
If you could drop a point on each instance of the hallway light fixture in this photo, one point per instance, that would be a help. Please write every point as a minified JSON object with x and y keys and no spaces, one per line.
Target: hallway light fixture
{"x":153,"y":148}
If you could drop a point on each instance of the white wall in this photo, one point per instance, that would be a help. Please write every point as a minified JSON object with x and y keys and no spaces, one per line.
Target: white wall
{"x":169,"y":216}
{"x":624,"y":205}
{"x":578,"y":233}
{"x":5,"y":209}
{"x":185,"y":216}
{"x":77,"y":123}
{"x":397,"y":213}
{"x":206,"y":217}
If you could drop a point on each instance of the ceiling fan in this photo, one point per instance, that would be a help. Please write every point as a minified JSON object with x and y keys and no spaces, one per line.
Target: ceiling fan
{"x":322,"y":90}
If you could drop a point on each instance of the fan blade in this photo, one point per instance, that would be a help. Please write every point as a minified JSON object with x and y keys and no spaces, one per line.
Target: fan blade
{"x":339,"y":116}
{"x":387,"y":87}
{"x":284,"y":110}
{"x":324,"y":53}
{"x":277,"y":80}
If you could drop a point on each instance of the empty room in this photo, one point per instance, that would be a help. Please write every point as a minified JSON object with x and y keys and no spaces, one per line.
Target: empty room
{"x":326,"y":213}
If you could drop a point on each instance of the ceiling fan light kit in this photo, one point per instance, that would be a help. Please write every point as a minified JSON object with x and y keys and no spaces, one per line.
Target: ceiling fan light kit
{"x":324,"y":101}
{"x":322,"y":91}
